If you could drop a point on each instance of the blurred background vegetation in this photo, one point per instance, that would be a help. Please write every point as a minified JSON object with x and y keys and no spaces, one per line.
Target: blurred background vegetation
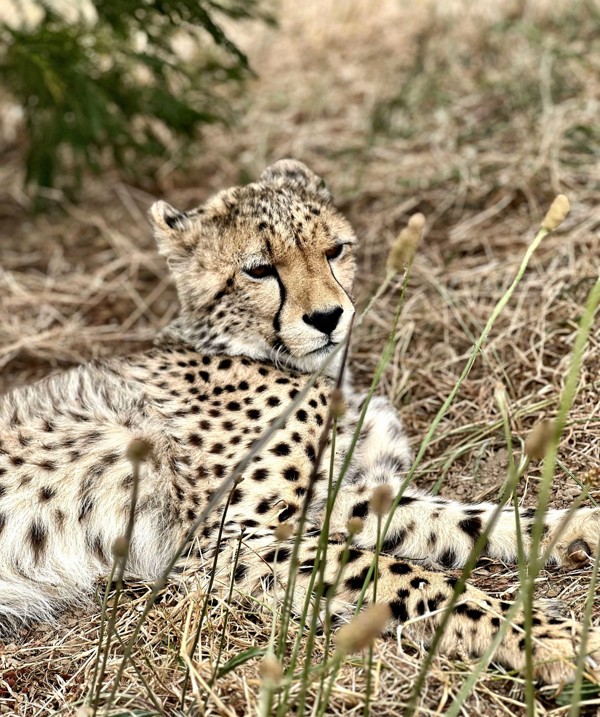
{"x":118,"y":80}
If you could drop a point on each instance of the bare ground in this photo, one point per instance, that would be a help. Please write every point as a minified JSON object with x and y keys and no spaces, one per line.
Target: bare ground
{"x":476,"y":117}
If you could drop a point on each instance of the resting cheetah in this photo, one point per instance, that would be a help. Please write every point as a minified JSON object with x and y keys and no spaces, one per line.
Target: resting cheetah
{"x":264,"y":275}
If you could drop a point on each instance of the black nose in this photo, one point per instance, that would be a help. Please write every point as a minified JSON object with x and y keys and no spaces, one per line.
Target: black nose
{"x":324,"y":321}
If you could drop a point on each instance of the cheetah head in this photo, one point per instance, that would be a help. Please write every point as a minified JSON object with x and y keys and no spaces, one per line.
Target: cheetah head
{"x":264,"y":270}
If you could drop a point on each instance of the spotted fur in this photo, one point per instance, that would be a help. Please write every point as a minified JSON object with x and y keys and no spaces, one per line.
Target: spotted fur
{"x":264,"y":276}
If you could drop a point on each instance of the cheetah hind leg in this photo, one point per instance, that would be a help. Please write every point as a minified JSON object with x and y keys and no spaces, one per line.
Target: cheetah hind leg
{"x":416,"y":598}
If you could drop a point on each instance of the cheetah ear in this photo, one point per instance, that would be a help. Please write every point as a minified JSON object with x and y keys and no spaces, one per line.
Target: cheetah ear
{"x":288,"y":172}
{"x":176,"y":232}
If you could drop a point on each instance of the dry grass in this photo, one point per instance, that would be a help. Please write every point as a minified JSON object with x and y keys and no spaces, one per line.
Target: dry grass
{"x":476,"y":118}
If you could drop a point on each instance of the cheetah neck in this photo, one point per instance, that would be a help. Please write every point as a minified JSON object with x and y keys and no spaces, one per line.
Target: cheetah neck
{"x":204,"y":339}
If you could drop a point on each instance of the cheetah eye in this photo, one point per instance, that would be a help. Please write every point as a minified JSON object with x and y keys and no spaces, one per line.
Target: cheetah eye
{"x":334,"y":252}
{"x":260,"y":271}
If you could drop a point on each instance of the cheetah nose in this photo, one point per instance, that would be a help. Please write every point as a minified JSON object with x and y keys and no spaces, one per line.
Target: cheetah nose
{"x":324,"y":321}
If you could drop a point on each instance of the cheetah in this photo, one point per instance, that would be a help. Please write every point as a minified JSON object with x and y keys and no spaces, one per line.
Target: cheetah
{"x":264,"y":276}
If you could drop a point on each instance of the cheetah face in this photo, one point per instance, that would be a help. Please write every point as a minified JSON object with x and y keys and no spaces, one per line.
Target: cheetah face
{"x":264,"y":270}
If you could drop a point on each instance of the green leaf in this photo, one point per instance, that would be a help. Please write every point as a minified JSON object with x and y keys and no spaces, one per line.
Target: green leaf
{"x":240,"y":659}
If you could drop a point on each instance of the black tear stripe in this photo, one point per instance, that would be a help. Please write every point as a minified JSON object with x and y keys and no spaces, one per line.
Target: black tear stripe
{"x":282,"y":298}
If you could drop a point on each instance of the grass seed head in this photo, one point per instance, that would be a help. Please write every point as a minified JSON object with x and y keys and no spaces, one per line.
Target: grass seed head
{"x":363,"y":629}
{"x":338,"y":404}
{"x":139,"y":450}
{"x":557,"y":213}
{"x":354,"y":526}
{"x":500,"y":397}
{"x":404,"y":248}
{"x":381,"y":500}
{"x":284,"y":531}
{"x":120,"y":547}
{"x":271,"y":670}
{"x":538,"y":440}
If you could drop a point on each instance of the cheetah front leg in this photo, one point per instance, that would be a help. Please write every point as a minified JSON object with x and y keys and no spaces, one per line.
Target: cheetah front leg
{"x":417,"y":599}
{"x":442,"y":532}
{"x":434,"y":530}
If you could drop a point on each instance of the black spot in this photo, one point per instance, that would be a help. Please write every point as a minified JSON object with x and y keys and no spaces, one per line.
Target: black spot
{"x":471,"y":526}
{"x":393,"y":542}
{"x":204,"y":375}
{"x":301,"y":415}
{"x":420,"y":607}
{"x":240,"y":572}
{"x":447,"y":559}
{"x":418,"y":582}
{"x":291,"y":474}
{"x":356,"y":582}
{"x":360,"y":510}
{"x":189,"y":377}
{"x":224,"y":363}
{"x":400,"y":568}
{"x":236,"y":496}
{"x":278,"y":555}
{"x":260,"y":474}
{"x":351,"y":555}
{"x":264,"y":506}
{"x":406,"y":500}
{"x":434,"y":603}
{"x":273,"y":401}
{"x":46,"y":493}
{"x":399,"y":611}
{"x":474,"y":511}
{"x":38,"y":537}
{"x":253,"y":413}
{"x":310,"y":452}
{"x":287,"y":513}
{"x":495,"y":622}
{"x":195,"y":440}
{"x":471,"y":612}
{"x":282,"y":449}
{"x":306,"y":565}
{"x":233,"y":406}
